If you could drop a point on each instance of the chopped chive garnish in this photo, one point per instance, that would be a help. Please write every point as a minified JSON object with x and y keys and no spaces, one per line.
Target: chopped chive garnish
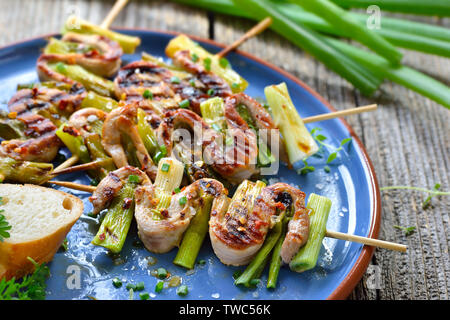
{"x":163,"y":149}
{"x":175,"y":79}
{"x":182,"y":201}
{"x":159,"y":286}
{"x":144,"y":296}
{"x":210,"y":92}
{"x":235,"y":86}
{"x":116,"y":282}
{"x":201,"y":262}
{"x":254,"y":282}
{"x":194,"y":57}
{"x":130,"y":286}
{"x":177,"y":190}
{"x":147,"y":94}
{"x":133,"y":178}
{"x":207,"y":64}
{"x":140,"y":286}
{"x":192,"y":83}
{"x":184,"y":104}
{"x":61,"y":67}
{"x":327,"y":169}
{"x":182,"y":290}
{"x":158,"y":156}
{"x":161,"y":273}
{"x":165,"y":167}
{"x":223,"y":62}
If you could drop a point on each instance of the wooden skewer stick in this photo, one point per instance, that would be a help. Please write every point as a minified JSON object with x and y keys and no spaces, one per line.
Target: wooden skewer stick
{"x":81,"y":167}
{"x":264,"y":24}
{"x":69,"y":162}
{"x":329,"y":234}
{"x":366,"y":241}
{"x":73,"y":185}
{"x":118,"y":6}
{"x":115,"y":10}
{"x":337,"y":114}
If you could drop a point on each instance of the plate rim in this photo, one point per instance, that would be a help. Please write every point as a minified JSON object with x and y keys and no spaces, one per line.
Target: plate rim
{"x":346,"y":286}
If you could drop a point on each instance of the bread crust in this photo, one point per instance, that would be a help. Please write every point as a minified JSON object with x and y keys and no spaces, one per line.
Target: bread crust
{"x":14,"y":256}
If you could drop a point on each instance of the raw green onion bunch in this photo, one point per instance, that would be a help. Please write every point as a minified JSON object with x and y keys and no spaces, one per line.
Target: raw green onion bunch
{"x":312,"y":25}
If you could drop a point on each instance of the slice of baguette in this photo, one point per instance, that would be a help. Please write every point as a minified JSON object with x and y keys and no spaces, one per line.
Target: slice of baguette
{"x":40,"y":219}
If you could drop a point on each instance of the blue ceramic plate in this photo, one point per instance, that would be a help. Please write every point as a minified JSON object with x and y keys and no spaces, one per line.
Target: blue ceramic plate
{"x":86,"y":271}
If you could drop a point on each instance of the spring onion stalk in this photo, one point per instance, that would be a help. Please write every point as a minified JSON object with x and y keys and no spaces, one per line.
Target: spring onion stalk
{"x":307,"y":256}
{"x":128,"y":43}
{"x":276,"y":262}
{"x":309,"y":40}
{"x":116,"y":223}
{"x":11,"y":128}
{"x":24,"y":171}
{"x":56,"y":46}
{"x":408,"y":34}
{"x":169,"y":175}
{"x":403,"y":75}
{"x":89,"y":80}
{"x":402,"y":33}
{"x":434,"y":7}
{"x":182,"y":42}
{"x":298,"y":141}
{"x":213,"y":113}
{"x":146,"y":133}
{"x":194,"y":235}
{"x":341,"y":19}
{"x":265,"y":157}
{"x":98,"y":153}
{"x":94,"y":100}
{"x":251,"y":272}
{"x":74,"y":143}
{"x":130,"y":150}
{"x":168,"y":178}
{"x":176,"y":71}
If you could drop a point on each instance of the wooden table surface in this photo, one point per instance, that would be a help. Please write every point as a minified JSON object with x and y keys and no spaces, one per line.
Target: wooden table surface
{"x":407,"y":139}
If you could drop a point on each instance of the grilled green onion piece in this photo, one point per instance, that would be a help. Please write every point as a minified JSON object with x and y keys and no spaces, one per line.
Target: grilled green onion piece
{"x":298,"y":141}
{"x":116,"y":223}
{"x":208,"y":60}
{"x":307,"y":256}
{"x":128,"y":43}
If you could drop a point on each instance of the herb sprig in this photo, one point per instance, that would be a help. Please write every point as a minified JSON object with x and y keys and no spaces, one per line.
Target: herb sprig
{"x":407,"y":230}
{"x":320,"y":138}
{"x":432,"y":193}
{"x":31,"y":287}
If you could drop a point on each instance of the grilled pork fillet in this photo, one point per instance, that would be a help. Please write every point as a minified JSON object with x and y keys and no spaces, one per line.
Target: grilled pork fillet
{"x":122,"y":120}
{"x":38,"y":110}
{"x":163,"y":232}
{"x":201,"y":86}
{"x":108,"y":188}
{"x":234,"y":161}
{"x":95,"y":53}
{"x":238,"y":231}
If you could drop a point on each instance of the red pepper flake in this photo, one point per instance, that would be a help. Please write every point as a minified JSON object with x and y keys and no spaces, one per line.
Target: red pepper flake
{"x":165,"y":213}
{"x":280,"y":206}
{"x":71,"y":130}
{"x":102,"y":236}
{"x":127,"y":203}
